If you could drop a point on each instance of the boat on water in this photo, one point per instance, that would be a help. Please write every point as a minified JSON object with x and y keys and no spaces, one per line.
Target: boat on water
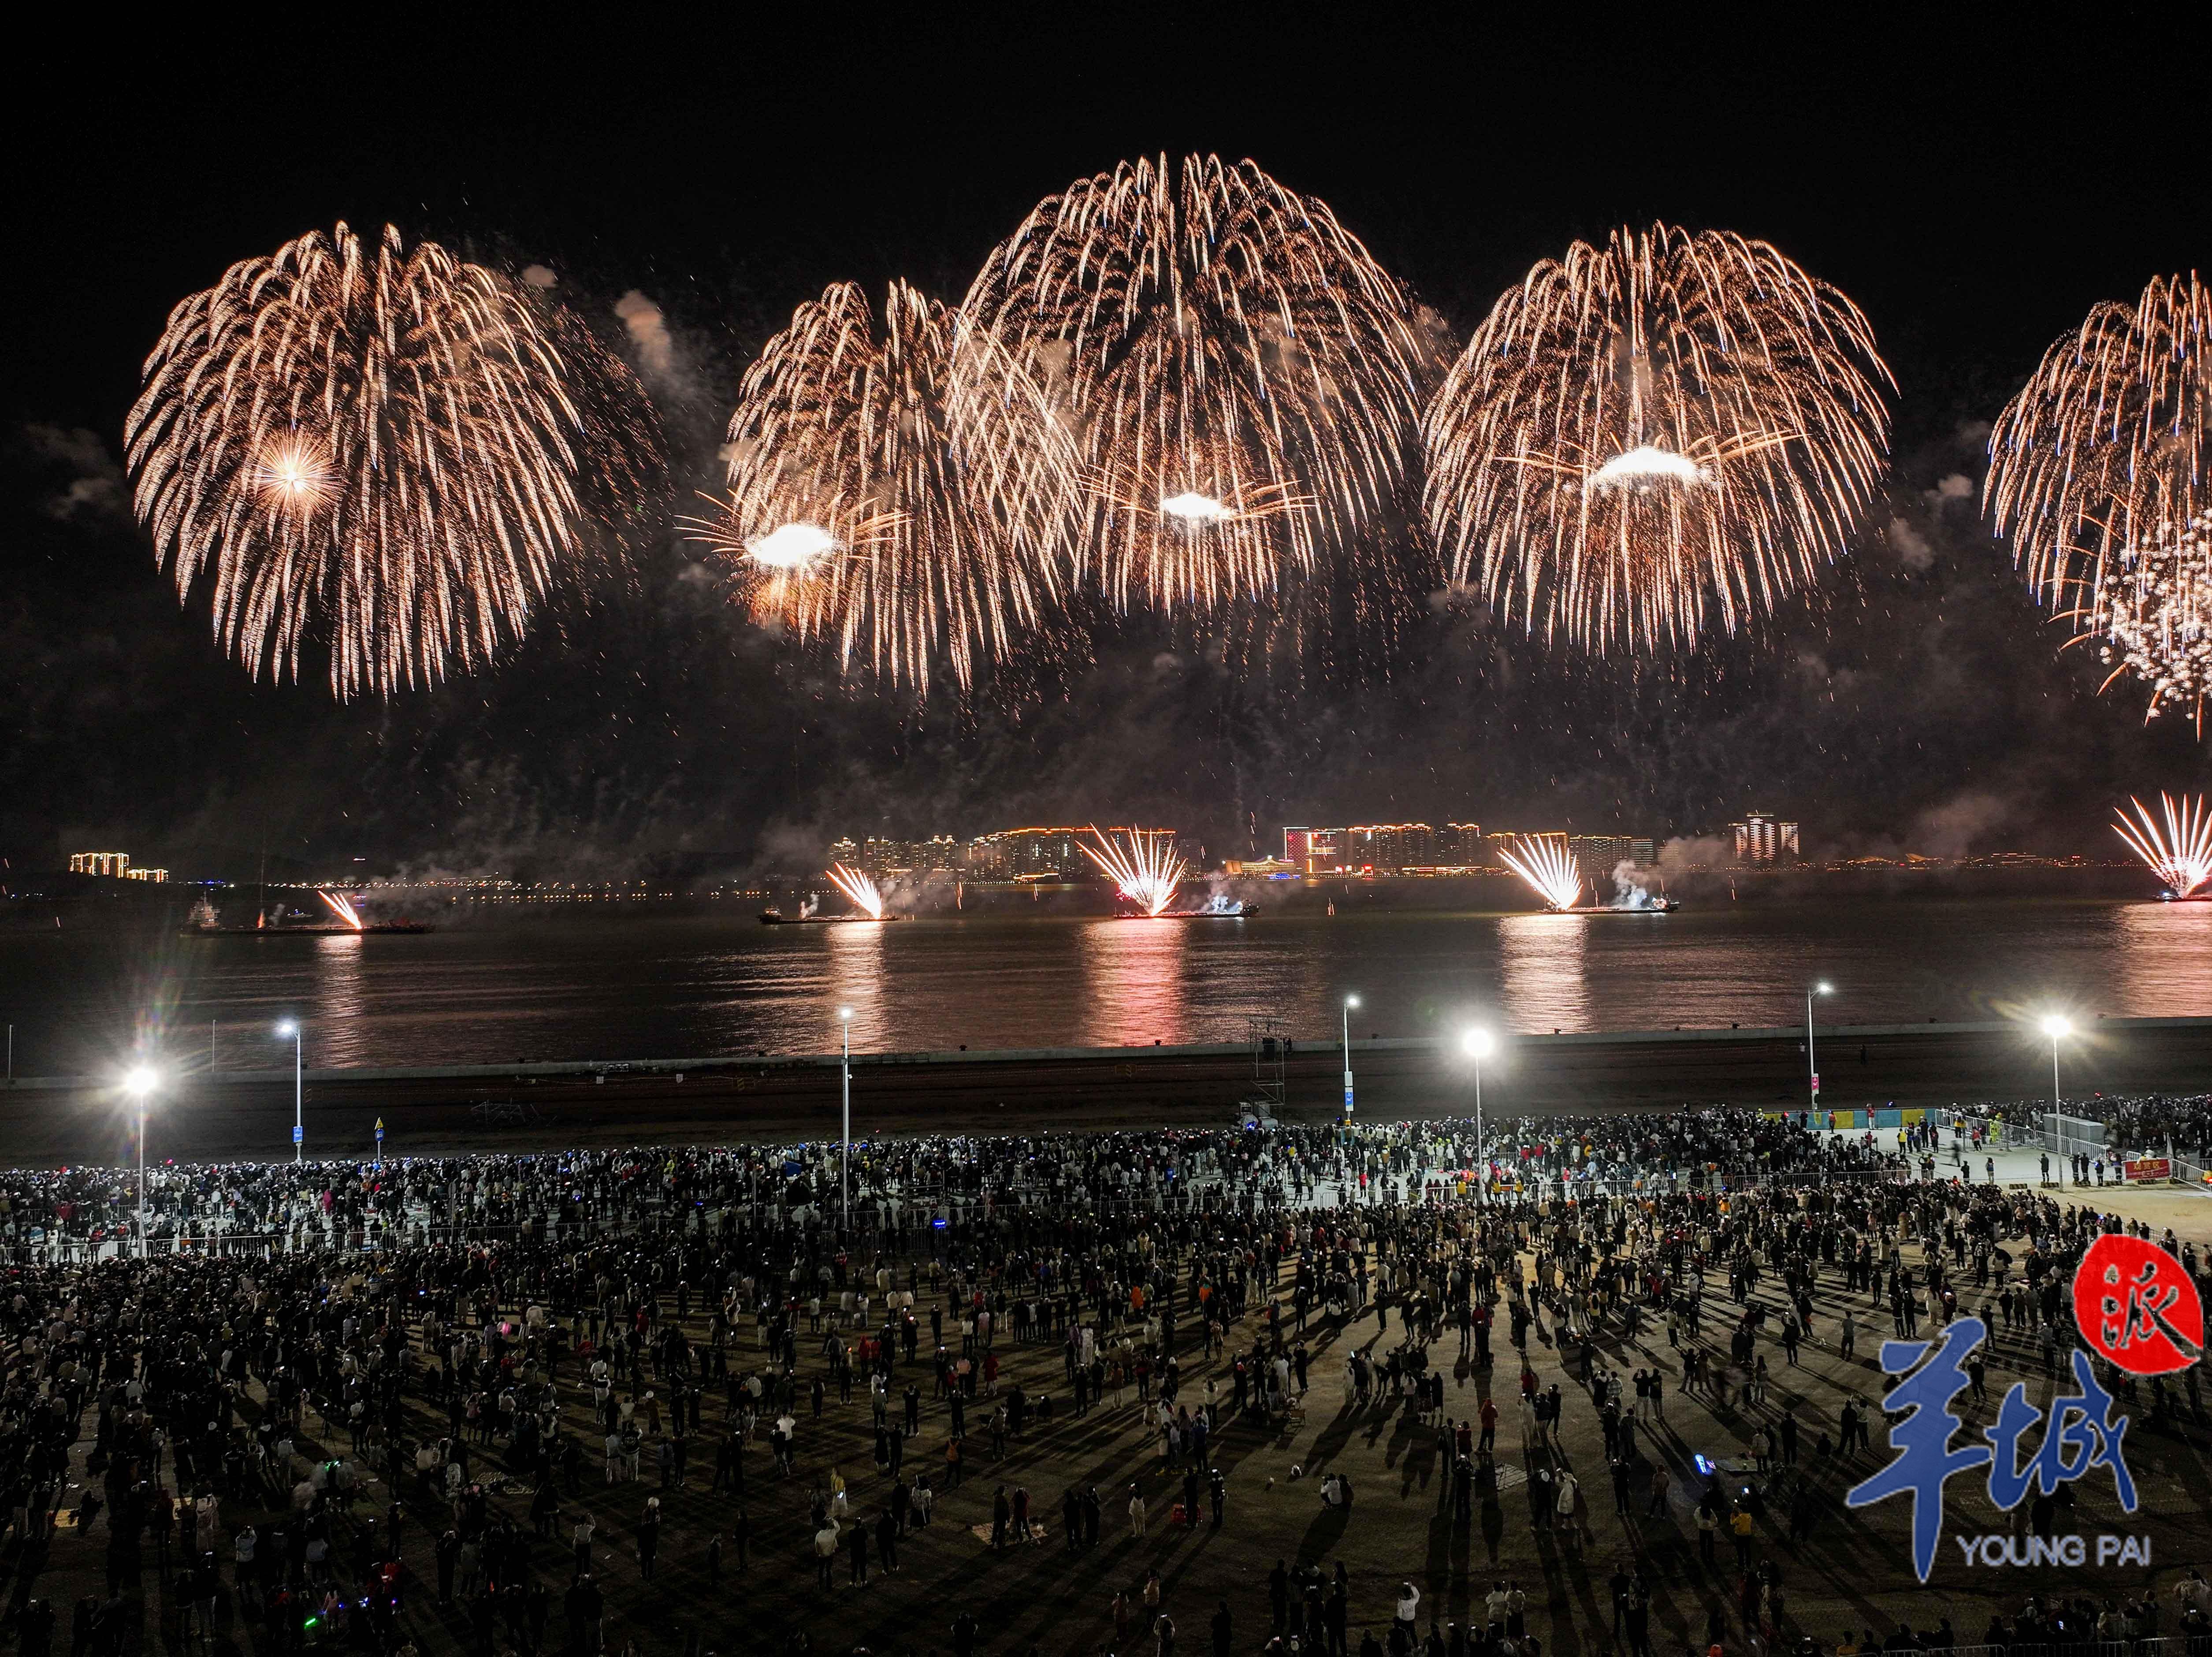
{"x":777,"y":918}
{"x":312,"y":929}
{"x":204,"y":922}
{"x":1658,"y":906}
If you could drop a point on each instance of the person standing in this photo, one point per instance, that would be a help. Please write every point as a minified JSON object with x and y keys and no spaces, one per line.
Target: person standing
{"x":649,"y":1538}
{"x":1136,"y":1511}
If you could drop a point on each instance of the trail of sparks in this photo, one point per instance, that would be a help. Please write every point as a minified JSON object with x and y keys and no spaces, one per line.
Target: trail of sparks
{"x":1545,"y":863}
{"x":1143,"y":863}
{"x":2180,"y":854}
{"x":860,"y":888}
{"x":382,"y":452}
{"x":342,"y":907}
{"x":1646,"y":439}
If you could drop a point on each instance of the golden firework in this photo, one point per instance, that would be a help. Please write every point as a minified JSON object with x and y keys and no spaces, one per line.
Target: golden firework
{"x":2098,"y":475}
{"x":861,"y":512}
{"x":384,"y":450}
{"x":1646,"y":439}
{"x":1244,"y":380}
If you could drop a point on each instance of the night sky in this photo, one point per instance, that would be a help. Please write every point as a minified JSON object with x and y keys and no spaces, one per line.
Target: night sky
{"x":1974,"y":195}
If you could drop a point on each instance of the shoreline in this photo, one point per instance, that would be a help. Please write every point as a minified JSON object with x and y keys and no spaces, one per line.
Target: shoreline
{"x":784,"y":1099}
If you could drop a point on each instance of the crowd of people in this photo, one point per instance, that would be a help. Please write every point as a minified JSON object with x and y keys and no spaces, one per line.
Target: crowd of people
{"x":317,"y":1394}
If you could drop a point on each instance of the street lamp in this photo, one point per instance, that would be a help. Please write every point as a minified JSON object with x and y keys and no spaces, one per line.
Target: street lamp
{"x":2057,"y":1026}
{"x":139,"y":1082}
{"x":1350,"y":1002}
{"x":1812,"y":1059}
{"x":1477,"y":1044}
{"x":845,"y":1163}
{"x":290,"y":1028}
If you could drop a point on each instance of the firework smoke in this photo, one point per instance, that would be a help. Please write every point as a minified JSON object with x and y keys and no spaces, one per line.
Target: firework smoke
{"x":2180,"y":854}
{"x":1143,"y":863}
{"x":1645,"y":439}
{"x":384,"y":450}
{"x":1545,"y":863}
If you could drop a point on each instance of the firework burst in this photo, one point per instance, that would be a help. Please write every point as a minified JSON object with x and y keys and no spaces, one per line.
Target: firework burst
{"x":1143,"y":863}
{"x":863,"y":514}
{"x":381,"y":450}
{"x":2181,"y":853}
{"x":2105,"y":446}
{"x":2098,"y":475}
{"x":860,"y":888}
{"x":1545,"y":863}
{"x":342,"y":907}
{"x":1243,"y":379}
{"x":2151,"y":617}
{"x":1648,"y":438}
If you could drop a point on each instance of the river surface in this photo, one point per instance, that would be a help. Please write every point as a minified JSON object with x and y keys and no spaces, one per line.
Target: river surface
{"x":642,"y":986}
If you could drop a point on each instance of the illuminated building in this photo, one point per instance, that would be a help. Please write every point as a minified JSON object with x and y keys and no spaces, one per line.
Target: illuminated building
{"x":158,"y":876}
{"x":1761,"y":837}
{"x":114,"y":864}
{"x":1598,"y":855}
{"x":1044,"y":854}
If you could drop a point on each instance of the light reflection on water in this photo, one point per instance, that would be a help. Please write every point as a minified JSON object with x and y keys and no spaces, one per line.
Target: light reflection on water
{"x":1541,"y":963}
{"x":1133,"y":984}
{"x":700,"y":985}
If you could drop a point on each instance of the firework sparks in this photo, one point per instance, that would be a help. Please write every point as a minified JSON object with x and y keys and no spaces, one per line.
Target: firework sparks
{"x":2152,"y":617}
{"x":342,"y":906}
{"x":1545,"y":863}
{"x":1143,"y":863}
{"x":860,"y":888}
{"x":381,"y":449}
{"x":2104,"y":449}
{"x":1643,"y":439}
{"x":2181,"y":853}
{"x":904,"y":509}
{"x":1246,"y":380}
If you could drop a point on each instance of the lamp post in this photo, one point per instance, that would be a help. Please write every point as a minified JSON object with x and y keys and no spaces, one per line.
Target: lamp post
{"x":1812,"y":1059}
{"x":845,"y":1163}
{"x":138,"y":1084}
{"x":1350,"y":1002}
{"x":2056,"y":1026}
{"x":291,"y":1026}
{"x":1477,"y":1044}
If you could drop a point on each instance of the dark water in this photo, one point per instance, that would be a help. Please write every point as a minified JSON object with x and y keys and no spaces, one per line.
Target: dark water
{"x":641,"y":986}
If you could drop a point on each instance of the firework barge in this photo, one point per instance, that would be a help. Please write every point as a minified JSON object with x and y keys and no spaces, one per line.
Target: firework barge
{"x":777,"y":918}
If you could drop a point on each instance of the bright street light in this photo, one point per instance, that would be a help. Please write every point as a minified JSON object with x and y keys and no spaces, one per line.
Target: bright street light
{"x":1812,"y":1059}
{"x":1477,"y":1044}
{"x":845,"y":1162}
{"x":290,"y":1030}
{"x":2057,"y":1026}
{"x":1350,"y":1002}
{"x":139,"y":1082}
